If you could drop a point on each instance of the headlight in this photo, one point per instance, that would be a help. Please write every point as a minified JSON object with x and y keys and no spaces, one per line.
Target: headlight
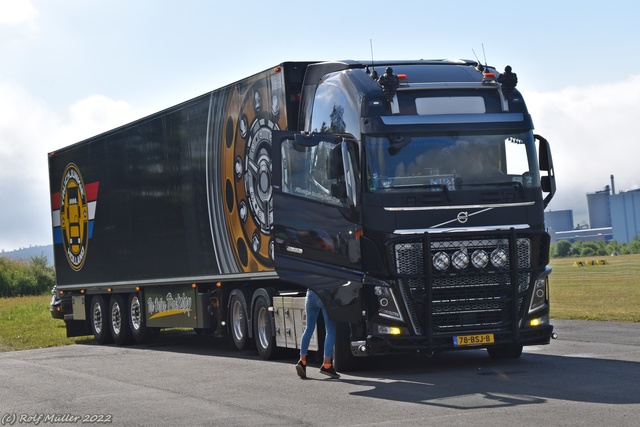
{"x":387,"y":306}
{"x":540,"y":293}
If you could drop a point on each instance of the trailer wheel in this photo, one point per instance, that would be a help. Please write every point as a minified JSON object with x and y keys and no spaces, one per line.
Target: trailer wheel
{"x":100,"y":319}
{"x":239,"y":321}
{"x":137,"y":322}
{"x":119,"y":321}
{"x":512,"y":351}
{"x":263,"y":329}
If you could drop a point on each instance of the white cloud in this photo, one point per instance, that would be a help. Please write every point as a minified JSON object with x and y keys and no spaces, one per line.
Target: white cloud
{"x":29,"y":130}
{"x":93,"y":115}
{"x":593,"y":135}
{"x":18,"y":12}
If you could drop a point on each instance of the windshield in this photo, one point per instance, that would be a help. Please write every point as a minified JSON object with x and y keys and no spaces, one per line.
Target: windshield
{"x":451,"y":162}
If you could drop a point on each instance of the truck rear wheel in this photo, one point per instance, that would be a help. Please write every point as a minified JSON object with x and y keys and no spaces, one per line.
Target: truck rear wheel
{"x":239,"y":322}
{"x":100,"y":319}
{"x":119,"y":321}
{"x":140,"y":332}
{"x":263,"y":329}
{"x":512,"y":351}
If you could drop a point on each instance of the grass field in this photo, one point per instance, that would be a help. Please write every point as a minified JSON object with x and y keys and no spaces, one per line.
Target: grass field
{"x":25,"y":322}
{"x":593,"y":292}
{"x":596,"y":292}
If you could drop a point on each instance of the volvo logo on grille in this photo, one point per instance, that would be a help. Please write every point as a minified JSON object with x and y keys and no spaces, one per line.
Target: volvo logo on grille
{"x":463,"y":217}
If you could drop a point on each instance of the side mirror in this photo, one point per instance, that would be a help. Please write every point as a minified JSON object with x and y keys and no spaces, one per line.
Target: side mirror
{"x":548,"y":181}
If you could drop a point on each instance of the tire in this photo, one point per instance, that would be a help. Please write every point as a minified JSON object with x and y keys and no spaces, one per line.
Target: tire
{"x":238,"y":321}
{"x":119,"y":320}
{"x":137,"y":322}
{"x":343,"y":358}
{"x":512,"y":351}
{"x":99,"y":320}
{"x":263,"y":331}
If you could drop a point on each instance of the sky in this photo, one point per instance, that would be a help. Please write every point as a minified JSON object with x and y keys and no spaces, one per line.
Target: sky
{"x":70,"y":69}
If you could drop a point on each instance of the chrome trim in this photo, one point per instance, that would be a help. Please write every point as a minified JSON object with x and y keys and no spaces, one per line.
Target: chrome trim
{"x":458,"y":207}
{"x":461,"y":229}
{"x":462,"y":217}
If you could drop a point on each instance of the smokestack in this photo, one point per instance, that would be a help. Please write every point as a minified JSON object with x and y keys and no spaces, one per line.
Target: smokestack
{"x":613,"y":186}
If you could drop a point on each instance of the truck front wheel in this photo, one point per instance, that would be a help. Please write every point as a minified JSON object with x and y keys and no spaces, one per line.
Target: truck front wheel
{"x":512,"y":351}
{"x":343,"y":358}
{"x":100,"y":319}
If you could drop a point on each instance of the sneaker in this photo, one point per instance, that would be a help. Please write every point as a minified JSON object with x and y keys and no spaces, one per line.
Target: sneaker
{"x":301,"y":369}
{"x":330,"y":372}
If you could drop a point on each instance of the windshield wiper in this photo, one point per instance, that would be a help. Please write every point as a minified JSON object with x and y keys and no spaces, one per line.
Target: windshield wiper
{"x":442,"y":187}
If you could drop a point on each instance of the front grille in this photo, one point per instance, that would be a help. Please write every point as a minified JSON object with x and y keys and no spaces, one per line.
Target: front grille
{"x":444,"y":291}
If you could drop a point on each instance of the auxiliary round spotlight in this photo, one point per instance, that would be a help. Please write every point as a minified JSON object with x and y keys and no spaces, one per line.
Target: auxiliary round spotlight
{"x":460,"y":259}
{"x":479,"y":259}
{"x":499,"y":257}
{"x":441,"y":261}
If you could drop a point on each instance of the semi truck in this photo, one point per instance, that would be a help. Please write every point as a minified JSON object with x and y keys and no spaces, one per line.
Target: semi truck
{"x":409,"y":195}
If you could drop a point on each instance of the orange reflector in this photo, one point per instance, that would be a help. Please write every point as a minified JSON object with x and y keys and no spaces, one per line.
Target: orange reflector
{"x":109,"y":289}
{"x":277,"y":69}
{"x":82,"y":291}
{"x":137,"y":288}
{"x":193,"y":286}
{"x":219,"y":284}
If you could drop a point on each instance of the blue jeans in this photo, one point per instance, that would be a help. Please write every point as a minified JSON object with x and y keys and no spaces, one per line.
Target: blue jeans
{"x":313,"y":306}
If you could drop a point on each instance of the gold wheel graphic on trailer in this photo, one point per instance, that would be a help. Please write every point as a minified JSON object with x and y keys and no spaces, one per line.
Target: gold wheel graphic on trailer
{"x":246,"y":171}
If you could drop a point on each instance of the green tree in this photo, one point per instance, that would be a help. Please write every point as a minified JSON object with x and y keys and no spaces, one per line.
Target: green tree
{"x":25,"y":278}
{"x":634,"y":246}
{"x":563,"y":248}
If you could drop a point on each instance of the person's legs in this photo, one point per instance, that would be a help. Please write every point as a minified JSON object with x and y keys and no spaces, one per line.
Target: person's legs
{"x":329,"y":341}
{"x":312,"y":311}
{"x":330,"y":337}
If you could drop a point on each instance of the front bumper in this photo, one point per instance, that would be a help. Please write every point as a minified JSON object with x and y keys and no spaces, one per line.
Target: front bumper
{"x":539,"y":335}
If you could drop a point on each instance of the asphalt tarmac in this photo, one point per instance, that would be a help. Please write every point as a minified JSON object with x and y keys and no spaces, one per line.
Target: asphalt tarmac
{"x":589,"y":376}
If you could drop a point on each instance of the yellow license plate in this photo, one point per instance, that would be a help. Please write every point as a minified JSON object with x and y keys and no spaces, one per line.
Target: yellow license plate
{"x":467,"y":340}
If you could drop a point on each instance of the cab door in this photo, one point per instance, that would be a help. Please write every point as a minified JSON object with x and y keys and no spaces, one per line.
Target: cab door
{"x":316,"y":218}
